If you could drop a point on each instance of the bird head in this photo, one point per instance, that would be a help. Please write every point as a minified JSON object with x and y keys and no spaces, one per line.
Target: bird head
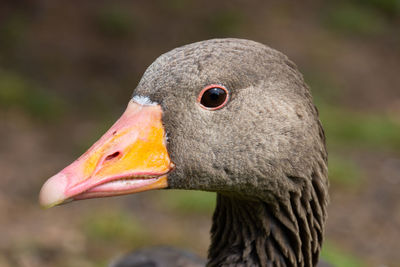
{"x":224,"y":115}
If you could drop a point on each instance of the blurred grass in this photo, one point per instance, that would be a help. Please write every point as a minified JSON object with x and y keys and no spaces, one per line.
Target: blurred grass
{"x":343,"y":171}
{"x":347,"y":128}
{"x":115,"y":21}
{"x":224,"y":23}
{"x":114,"y":227}
{"x":389,"y":7}
{"x":338,"y":258}
{"x":12,"y":31}
{"x":176,"y":6}
{"x":355,"y":18}
{"x":187,"y":201}
{"x":19,"y":92}
{"x":325,"y":89}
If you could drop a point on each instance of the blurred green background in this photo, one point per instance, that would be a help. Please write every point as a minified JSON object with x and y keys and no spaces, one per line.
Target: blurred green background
{"x":68,"y":68}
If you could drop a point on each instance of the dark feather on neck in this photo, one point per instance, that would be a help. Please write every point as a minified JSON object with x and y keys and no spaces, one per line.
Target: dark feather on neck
{"x":258,"y":233}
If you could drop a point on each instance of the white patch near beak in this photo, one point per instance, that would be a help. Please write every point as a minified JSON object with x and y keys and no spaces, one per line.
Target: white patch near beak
{"x":143,"y":100}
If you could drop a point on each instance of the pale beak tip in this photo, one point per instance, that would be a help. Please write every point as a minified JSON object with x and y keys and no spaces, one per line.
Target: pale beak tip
{"x":52,"y":192}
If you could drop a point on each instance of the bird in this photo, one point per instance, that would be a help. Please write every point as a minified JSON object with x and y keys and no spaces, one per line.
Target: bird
{"x":231,"y":116}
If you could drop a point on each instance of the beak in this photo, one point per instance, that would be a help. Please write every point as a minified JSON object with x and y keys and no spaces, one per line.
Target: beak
{"x":130,"y":157}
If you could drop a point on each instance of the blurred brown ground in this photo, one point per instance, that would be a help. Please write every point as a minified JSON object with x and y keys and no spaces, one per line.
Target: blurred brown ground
{"x":68,"y":68}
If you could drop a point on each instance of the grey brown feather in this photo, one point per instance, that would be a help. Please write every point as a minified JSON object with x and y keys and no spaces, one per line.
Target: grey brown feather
{"x":263,"y":153}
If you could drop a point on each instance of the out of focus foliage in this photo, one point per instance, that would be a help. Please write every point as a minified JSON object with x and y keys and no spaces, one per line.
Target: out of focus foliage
{"x":339,"y":258}
{"x":17,"y":92}
{"x":61,"y":62}
{"x":115,"y":22}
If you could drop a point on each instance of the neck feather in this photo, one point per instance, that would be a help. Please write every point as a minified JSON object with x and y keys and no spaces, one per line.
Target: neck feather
{"x":256,"y":233}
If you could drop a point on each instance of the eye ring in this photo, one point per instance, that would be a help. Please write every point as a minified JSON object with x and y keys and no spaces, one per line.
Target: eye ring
{"x":213,"y":97}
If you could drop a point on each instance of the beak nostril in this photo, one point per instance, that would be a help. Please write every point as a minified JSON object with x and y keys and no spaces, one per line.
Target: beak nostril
{"x":112,"y":156}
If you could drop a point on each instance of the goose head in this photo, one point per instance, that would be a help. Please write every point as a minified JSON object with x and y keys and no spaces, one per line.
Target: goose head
{"x":225,"y":115}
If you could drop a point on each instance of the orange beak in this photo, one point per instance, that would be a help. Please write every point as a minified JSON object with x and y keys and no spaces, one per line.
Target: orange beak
{"x":130,"y":157}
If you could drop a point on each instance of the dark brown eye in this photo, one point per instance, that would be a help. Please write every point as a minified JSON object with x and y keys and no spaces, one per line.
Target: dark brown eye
{"x":213,"y":97}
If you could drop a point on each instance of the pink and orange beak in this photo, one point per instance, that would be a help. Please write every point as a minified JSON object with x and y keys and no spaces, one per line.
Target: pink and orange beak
{"x":130,"y":157}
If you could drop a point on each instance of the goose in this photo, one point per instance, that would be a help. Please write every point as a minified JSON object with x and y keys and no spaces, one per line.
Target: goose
{"x":230,"y":116}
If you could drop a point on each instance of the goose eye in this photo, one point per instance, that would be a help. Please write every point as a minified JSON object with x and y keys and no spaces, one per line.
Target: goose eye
{"x":213,"y":97}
